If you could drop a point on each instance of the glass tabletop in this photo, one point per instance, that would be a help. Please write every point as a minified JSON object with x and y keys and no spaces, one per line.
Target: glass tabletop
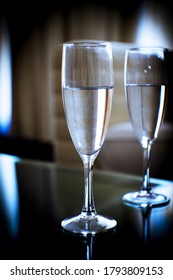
{"x":36,"y":196}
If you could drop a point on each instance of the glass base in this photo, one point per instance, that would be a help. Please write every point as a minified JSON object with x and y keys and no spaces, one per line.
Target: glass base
{"x":144,"y":199}
{"x":88,"y":224}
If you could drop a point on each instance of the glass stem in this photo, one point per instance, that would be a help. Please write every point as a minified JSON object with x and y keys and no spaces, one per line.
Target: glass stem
{"x":146,"y":167}
{"x":88,"y":204}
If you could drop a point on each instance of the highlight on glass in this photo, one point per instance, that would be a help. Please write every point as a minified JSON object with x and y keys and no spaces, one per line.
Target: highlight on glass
{"x":145,"y":81}
{"x":87,"y":91}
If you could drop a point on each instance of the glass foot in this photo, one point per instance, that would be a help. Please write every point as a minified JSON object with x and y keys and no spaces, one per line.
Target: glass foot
{"x":88,"y":224}
{"x":144,"y":198}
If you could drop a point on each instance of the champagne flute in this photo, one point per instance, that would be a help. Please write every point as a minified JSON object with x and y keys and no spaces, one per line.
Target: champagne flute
{"x":87,"y":91}
{"x":145,"y":89}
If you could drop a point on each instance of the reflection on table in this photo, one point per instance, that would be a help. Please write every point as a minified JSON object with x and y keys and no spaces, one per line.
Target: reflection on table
{"x":35,"y":196}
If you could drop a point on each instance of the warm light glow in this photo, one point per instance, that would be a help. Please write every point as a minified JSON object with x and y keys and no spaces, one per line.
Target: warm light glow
{"x":5,"y":82}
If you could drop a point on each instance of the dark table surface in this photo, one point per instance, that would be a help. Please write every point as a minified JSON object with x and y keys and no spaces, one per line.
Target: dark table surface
{"x":36,"y":196}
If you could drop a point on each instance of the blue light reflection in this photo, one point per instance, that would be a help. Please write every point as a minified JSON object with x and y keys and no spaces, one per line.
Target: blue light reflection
{"x":5,"y":81}
{"x":9,"y":192}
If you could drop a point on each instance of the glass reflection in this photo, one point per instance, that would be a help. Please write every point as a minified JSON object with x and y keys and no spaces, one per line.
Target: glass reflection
{"x":87,"y":247}
{"x":148,"y":227}
{"x":9,"y":193}
{"x":88,"y":241}
{"x":145,"y":211}
{"x":146,"y":214}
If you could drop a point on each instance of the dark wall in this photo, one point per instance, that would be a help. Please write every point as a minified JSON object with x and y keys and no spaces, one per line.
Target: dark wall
{"x":23,"y":17}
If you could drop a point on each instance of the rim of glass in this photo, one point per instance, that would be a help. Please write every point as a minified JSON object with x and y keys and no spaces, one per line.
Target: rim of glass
{"x":145,"y":49}
{"x":86,"y":43}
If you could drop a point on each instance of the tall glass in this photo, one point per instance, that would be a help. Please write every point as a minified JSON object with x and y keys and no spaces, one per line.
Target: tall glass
{"x":87,"y":91}
{"x":145,"y":89}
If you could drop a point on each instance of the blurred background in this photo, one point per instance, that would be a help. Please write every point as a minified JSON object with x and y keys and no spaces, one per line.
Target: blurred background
{"x":32,"y":121}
